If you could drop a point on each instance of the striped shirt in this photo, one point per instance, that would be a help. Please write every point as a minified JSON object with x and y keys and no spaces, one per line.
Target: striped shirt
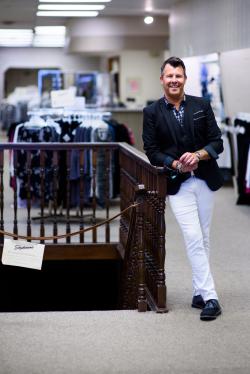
{"x":179,"y":114}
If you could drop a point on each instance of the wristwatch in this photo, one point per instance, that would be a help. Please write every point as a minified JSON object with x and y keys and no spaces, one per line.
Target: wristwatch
{"x":197,"y":153}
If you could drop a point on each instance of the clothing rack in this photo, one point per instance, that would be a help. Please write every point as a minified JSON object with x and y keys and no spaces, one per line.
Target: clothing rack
{"x":88,"y":115}
{"x":244,"y":116}
{"x":63,"y":112}
{"x":242,"y":141}
{"x":231,"y":129}
{"x":64,"y":125}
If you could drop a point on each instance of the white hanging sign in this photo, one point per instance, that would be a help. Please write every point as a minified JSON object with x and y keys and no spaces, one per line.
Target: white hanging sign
{"x":22,"y":253}
{"x":62,"y":98}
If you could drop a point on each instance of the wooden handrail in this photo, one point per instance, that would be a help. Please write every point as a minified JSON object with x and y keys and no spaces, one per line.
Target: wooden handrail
{"x":140,"y":157}
{"x":57,"y":146}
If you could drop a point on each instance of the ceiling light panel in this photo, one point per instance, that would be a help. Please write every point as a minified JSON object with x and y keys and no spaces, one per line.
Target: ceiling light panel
{"x":48,"y":41}
{"x":15,"y":43}
{"x":15,"y":32}
{"x":70,"y":7}
{"x":49,"y":36}
{"x":15,"y":37}
{"x":50,"y":30}
{"x":67,"y":14}
{"x":75,"y":1}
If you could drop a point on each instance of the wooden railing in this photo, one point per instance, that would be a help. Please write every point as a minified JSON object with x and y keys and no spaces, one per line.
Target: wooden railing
{"x":145,"y":249}
{"x":46,"y":210}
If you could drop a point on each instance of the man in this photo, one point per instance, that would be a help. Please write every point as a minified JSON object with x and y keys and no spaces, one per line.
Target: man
{"x":180,"y":133}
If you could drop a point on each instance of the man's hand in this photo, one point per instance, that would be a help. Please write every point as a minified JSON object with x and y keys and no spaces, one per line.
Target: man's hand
{"x":184,"y":168}
{"x":189,"y":168}
{"x":189,"y":159}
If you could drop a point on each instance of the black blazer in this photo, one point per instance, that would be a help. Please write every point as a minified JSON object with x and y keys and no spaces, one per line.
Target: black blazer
{"x":160,"y":139}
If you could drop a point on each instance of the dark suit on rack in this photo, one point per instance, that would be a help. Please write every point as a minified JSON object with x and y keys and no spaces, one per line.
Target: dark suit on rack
{"x":161,"y":135}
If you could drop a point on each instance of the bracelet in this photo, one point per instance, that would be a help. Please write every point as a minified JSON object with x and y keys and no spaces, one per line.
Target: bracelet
{"x":197,"y":153}
{"x":179,"y":167}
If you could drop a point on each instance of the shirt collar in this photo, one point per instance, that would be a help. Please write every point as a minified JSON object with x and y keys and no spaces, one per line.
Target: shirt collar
{"x":169,"y":105}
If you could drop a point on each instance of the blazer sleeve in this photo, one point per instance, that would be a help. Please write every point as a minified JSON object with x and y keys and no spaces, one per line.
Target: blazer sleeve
{"x":151,"y":143}
{"x":214,"y":144}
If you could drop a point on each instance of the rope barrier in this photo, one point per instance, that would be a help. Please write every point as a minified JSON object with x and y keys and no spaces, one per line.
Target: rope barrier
{"x":71,"y":233}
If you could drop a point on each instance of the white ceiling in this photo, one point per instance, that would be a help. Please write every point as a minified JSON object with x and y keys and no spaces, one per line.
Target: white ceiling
{"x":22,"y":13}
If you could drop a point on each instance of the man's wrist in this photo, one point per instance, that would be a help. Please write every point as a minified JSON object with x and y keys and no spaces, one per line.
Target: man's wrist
{"x":198,"y":155}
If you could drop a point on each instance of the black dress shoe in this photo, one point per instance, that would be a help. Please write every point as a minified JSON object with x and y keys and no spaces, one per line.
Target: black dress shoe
{"x":211,"y":310}
{"x":198,"y":302}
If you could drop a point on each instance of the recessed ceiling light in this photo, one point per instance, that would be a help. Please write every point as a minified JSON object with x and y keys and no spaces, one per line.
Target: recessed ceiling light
{"x":148,"y":20}
{"x":67,"y":14}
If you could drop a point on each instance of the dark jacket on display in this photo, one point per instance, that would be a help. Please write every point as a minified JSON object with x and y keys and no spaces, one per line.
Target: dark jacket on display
{"x":163,"y":139}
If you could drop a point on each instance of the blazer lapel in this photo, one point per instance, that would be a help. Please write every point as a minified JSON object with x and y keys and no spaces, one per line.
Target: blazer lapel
{"x":188,"y":118}
{"x":168,"y":118}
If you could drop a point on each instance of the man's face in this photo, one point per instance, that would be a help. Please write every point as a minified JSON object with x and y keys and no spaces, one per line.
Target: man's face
{"x":173,"y":81}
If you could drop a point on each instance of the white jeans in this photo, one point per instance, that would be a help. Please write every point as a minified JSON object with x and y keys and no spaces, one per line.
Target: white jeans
{"x":193,"y":207}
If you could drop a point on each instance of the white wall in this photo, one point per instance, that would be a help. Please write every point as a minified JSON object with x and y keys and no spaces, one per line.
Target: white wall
{"x":235,"y":79}
{"x":43,"y":58}
{"x":199,"y":27}
{"x":145,"y":68}
{"x":192,"y":86}
{"x":235,"y":75}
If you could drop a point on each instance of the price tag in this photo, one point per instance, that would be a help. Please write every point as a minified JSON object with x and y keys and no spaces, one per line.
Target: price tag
{"x":22,"y":253}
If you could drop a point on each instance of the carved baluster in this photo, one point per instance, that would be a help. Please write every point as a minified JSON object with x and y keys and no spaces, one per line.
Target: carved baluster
{"x":68,"y":161}
{"x":155,"y":233}
{"x":15,"y":227}
{"x":29,"y":171}
{"x":142,"y":302}
{"x":81,"y":194}
{"x":128,"y":283}
{"x":107,"y":191}
{"x":55,"y":191}
{"x":161,"y":287}
{"x":42,"y":193}
{"x":1,"y":194}
{"x":94,"y":162}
